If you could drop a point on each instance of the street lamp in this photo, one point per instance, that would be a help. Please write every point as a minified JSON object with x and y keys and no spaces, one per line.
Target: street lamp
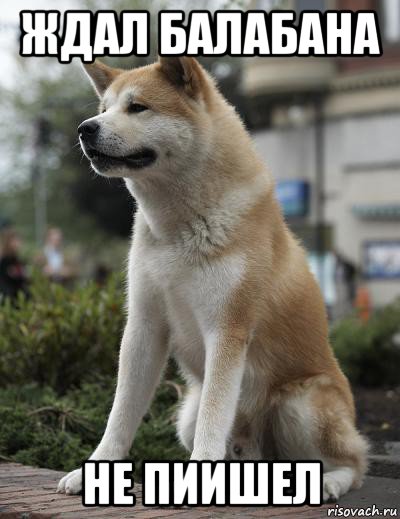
{"x":40,"y":140}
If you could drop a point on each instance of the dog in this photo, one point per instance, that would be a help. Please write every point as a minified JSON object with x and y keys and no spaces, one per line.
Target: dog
{"x":217,"y":280}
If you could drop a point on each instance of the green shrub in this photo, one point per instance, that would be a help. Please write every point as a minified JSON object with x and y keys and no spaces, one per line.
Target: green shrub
{"x":58,"y":360}
{"x":58,"y":365}
{"x":369,"y":353}
{"x":61,"y":337}
{"x":40,"y":428}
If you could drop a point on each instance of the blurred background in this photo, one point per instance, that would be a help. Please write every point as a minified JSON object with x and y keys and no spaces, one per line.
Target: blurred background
{"x":328,"y":129}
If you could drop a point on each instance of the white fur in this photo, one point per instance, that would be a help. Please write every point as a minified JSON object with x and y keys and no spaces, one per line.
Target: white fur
{"x":337,"y":482}
{"x":187,"y":416}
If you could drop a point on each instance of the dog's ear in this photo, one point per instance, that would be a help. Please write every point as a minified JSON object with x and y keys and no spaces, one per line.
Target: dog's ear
{"x":184,"y":72}
{"x":101,"y":76}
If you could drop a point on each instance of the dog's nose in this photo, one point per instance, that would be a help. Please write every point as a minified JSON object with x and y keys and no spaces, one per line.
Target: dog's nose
{"x":88,"y":129}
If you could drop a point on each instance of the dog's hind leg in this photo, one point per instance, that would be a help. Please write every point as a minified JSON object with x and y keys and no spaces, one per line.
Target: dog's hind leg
{"x":245,"y":441}
{"x":337,"y":482}
{"x":314,"y":420}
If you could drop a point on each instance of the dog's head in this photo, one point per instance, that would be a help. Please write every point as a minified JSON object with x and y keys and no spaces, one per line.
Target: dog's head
{"x":152,"y":119}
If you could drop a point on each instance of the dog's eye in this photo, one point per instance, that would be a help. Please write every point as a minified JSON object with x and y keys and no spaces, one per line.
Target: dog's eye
{"x":135,"y":108}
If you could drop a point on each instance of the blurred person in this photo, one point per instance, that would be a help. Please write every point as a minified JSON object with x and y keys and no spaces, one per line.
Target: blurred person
{"x":13,"y":278}
{"x":346,"y":272}
{"x":101,"y":274}
{"x":54,"y":261}
{"x":345,"y":278}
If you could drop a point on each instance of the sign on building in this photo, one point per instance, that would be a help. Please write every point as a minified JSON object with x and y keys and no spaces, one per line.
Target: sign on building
{"x":294,"y":197}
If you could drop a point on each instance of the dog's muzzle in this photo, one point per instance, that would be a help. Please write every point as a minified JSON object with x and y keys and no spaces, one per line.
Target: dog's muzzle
{"x":88,"y":134}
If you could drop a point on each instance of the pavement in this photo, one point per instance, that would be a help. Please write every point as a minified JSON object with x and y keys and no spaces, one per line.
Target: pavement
{"x":378,"y":491}
{"x":386,"y":461}
{"x":29,"y":493}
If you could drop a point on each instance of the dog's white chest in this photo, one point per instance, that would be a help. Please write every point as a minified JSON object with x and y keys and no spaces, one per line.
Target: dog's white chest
{"x":195,"y":295}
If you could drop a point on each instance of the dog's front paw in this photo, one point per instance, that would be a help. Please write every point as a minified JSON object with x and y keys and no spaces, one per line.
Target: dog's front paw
{"x":71,"y":483}
{"x":199,"y":456}
{"x":207,"y":455}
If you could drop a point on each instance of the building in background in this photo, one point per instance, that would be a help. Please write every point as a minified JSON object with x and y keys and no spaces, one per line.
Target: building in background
{"x":329,"y":129}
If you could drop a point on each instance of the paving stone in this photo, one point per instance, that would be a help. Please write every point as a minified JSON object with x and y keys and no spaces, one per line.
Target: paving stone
{"x":30,"y":493}
{"x":383,"y":465}
{"x":381,"y":492}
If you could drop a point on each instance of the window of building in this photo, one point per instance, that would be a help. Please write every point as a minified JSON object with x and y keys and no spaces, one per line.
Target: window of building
{"x":390,"y":20}
{"x":295,"y":5}
{"x":310,"y":5}
{"x":270,"y":5}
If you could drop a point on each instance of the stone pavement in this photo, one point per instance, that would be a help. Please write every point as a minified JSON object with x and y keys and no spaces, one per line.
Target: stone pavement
{"x":29,"y":493}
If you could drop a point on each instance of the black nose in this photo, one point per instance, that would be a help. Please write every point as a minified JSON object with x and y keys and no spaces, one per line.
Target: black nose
{"x":88,"y":129}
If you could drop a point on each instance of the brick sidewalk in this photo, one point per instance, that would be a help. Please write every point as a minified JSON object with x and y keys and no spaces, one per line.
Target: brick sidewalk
{"x":30,"y":493}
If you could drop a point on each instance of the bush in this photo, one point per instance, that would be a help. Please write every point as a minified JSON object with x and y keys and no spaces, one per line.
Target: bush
{"x":61,"y":337}
{"x":40,"y":428}
{"x":369,"y":353}
{"x":58,"y":364}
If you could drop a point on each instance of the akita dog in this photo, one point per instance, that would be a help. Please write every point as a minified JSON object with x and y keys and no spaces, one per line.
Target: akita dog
{"x":217,"y":280}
